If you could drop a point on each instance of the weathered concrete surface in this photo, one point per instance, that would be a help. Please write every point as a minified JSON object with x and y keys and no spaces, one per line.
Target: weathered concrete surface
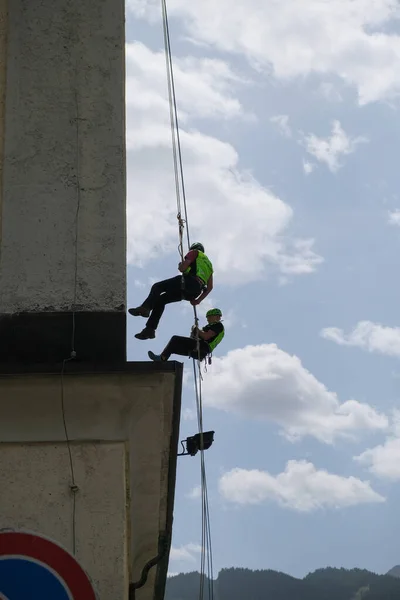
{"x":38,"y":476}
{"x":3,"y":76}
{"x":64,"y":156}
{"x":124,"y":430}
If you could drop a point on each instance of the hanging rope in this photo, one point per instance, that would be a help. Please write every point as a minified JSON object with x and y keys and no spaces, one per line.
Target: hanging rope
{"x":176,"y":142}
{"x":181,"y":225}
{"x":73,"y":486}
{"x":205,"y":516}
{"x":74,"y":489}
{"x":206,"y":552}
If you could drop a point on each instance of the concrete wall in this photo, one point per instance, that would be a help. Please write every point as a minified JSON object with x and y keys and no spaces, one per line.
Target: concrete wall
{"x":3,"y":74}
{"x":38,"y":476}
{"x":123,"y":428}
{"x":64,"y":156}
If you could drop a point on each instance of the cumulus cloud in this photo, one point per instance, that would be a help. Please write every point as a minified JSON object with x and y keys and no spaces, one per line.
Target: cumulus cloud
{"x":328,"y":90}
{"x":194,"y":493}
{"x":186,"y":553}
{"x":205,"y":87}
{"x":329,"y":150}
{"x":265,"y":382}
{"x":394,"y":217}
{"x":308,"y":167}
{"x":282,"y":121}
{"x":296,"y":39}
{"x":228,"y":208}
{"x":139,"y":284}
{"x":189,"y":414}
{"x":300,"y":487}
{"x":383,"y":460}
{"x":229,"y":317}
{"x":368,"y":336}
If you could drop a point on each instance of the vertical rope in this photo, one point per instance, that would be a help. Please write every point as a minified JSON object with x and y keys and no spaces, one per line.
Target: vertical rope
{"x":181,"y":200}
{"x":73,"y":486}
{"x":206,"y":525}
{"x":176,"y":142}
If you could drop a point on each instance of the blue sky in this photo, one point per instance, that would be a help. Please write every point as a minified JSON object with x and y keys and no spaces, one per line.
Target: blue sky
{"x":290,"y":136}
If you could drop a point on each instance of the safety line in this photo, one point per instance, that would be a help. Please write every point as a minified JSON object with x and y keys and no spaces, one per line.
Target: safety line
{"x":176,"y":144}
{"x":73,"y":486}
{"x":180,"y":191}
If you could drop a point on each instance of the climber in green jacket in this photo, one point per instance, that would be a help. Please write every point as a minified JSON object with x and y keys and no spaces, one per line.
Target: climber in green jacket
{"x":195,"y":283}
{"x":208,"y":338}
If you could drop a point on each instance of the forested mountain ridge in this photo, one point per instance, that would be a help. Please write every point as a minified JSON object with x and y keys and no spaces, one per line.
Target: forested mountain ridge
{"x":323,"y":584}
{"x":395,"y":571}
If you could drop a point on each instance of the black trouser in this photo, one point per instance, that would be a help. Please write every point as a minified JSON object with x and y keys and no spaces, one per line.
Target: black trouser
{"x":167,"y":291}
{"x":185,"y":346}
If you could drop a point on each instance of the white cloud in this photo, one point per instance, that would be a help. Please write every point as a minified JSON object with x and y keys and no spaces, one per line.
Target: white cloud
{"x":255,"y":221}
{"x":296,"y":39}
{"x":308,"y":167}
{"x":139,"y":284}
{"x":368,"y":336}
{"x":267,"y":383}
{"x":282,"y":121}
{"x":330,"y":150}
{"x":383,"y":460}
{"x":394,"y":217}
{"x":329,"y":91}
{"x":229,"y":317}
{"x":201,"y":309}
{"x":194,"y":493}
{"x":186,"y":553}
{"x":300,"y":487}
{"x":189,"y":414}
{"x":395,"y":424}
{"x":204,"y":86}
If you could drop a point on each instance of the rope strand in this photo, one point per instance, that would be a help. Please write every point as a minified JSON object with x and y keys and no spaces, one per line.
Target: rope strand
{"x":73,"y":485}
{"x":176,"y":142}
{"x":181,"y":201}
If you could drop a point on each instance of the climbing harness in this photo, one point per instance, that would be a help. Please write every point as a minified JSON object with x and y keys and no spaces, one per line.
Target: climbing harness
{"x":206,"y":547}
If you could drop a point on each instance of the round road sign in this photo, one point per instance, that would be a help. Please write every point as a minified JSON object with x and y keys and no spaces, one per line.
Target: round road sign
{"x":33,"y":567}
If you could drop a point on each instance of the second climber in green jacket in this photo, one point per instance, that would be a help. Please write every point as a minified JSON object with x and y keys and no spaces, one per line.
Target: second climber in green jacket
{"x":195,"y":283}
{"x":200,"y":343}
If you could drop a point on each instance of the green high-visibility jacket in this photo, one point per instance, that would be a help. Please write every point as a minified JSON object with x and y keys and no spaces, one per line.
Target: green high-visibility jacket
{"x":201,"y":267}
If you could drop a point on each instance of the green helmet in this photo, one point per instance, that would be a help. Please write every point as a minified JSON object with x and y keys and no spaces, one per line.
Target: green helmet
{"x":197,"y":246}
{"x":214,"y":311}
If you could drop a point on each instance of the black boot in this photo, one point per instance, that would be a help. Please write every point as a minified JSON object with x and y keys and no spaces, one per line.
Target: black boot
{"x":156,"y":357}
{"x":140,"y":311}
{"x":146,"y":334}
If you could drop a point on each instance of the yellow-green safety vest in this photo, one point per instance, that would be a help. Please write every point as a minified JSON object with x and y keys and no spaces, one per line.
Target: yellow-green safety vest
{"x":201,"y":268}
{"x":216,"y":340}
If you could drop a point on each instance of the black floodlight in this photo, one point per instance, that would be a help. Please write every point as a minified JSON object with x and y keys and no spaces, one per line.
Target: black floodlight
{"x":197,"y":442}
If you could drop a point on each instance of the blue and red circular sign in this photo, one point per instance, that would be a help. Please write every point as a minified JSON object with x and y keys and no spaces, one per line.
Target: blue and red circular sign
{"x":33,"y":567}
